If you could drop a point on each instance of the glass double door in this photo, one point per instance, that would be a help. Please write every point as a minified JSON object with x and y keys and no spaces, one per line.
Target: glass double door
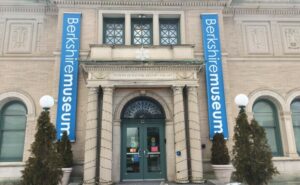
{"x":143,"y":149}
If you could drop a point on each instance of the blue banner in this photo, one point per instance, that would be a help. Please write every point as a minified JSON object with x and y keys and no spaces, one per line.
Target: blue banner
{"x":67,"y":93}
{"x":214,"y":75}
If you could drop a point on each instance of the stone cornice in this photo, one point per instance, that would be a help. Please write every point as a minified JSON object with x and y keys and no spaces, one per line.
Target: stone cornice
{"x":29,"y":9}
{"x":169,"y":3}
{"x":138,"y":66}
{"x":261,"y":11}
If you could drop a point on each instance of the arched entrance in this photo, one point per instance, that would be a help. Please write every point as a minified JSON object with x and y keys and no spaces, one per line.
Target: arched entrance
{"x":143,"y":140}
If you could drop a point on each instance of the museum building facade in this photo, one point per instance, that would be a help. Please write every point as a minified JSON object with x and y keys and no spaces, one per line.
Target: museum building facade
{"x":142,"y":86}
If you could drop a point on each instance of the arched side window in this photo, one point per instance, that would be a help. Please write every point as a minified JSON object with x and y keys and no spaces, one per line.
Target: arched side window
{"x":12,"y":131}
{"x":295,"y":108}
{"x":265,"y":114}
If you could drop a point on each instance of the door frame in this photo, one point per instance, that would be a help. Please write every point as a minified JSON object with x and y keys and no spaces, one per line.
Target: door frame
{"x":143,"y":124}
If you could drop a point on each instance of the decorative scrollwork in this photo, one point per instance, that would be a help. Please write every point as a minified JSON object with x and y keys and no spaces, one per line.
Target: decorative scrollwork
{"x":143,"y":109}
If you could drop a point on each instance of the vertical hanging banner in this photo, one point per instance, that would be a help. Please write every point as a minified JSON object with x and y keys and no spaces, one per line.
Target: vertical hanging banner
{"x":214,"y":75}
{"x":67,"y":93}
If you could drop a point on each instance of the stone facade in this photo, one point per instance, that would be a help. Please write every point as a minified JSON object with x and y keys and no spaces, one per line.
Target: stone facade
{"x":261,"y":53}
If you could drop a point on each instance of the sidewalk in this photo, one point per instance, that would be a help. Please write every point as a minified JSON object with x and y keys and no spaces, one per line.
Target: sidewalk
{"x":159,"y":183}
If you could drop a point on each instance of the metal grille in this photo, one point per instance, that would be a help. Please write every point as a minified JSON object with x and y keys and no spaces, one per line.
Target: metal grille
{"x":169,"y":32}
{"x":114,"y":31}
{"x":142,"y":32}
{"x":141,"y":109}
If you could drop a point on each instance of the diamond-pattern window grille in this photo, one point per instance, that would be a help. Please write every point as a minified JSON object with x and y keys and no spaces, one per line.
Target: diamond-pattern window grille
{"x":169,"y":32}
{"x":141,"y":32}
{"x":114,"y":31}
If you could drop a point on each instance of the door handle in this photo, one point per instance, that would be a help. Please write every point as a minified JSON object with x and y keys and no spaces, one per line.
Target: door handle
{"x":139,"y":153}
{"x":146,"y":153}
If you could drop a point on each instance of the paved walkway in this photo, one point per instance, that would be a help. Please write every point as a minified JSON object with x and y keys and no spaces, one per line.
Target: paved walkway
{"x":158,"y":183}
{"x":277,"y":181}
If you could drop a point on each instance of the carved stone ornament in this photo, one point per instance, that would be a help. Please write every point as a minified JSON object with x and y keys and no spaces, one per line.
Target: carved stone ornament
{"x":185,"y":75}
{"x":98,"y":75}
{"x":257,"y":39}
{"x":142,"y":75}
{"x":142,"y":54}
{"x":20,"y":38}
{"x":292,"y":37}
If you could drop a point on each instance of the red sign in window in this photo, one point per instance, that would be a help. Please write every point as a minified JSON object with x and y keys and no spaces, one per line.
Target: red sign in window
{"x":154,"y":148}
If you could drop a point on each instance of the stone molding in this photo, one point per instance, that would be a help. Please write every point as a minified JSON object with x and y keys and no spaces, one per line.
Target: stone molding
{"x":268,"y":94}
{"x":232,"y":11}
{"x":21,"y":96}
{"x":291,"y":96}
{"x":89,"y":67}
{"x":141,"y":72}
{"x":30,"y":9}
{"x":138,"y":3}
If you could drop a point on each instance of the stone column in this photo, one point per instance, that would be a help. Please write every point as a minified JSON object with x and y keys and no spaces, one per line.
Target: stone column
{"x":194,"y":136}
{"x":91,"y":137}
{"x":155,"y":29}
{"x":105,"y":176}
{"x":127,"y":29}
{"x":180,"y":137}
{"x":290,"y":136}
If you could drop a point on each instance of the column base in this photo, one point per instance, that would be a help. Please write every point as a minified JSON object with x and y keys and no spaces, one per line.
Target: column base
{"x":198,"y":181}
{"x":293,"y":155}
{"x":182,"y":181}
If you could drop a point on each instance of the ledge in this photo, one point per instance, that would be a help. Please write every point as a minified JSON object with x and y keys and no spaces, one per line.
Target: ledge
{"x":34,"y":8}
{"x":12,"y":164}
{"x":234,"y":11}
{"x":138,"y":3}
{"x":285,"y":159}
{"x":136,"y":53}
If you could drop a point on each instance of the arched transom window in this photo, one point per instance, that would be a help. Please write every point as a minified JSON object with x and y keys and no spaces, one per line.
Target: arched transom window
{"x":12,"y":131}
{"x":295,"y":108}
{"x":265,"y":114}
{"x":143,"y":108}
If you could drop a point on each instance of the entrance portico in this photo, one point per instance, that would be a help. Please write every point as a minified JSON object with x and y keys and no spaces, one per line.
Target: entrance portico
{"x":112,"y":84}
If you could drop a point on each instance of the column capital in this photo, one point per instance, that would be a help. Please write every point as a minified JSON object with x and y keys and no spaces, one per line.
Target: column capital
{"x":93,"y":89}
{"x":107,"y":89}
{"x":192,"y":88}
{"x":177,"y":88}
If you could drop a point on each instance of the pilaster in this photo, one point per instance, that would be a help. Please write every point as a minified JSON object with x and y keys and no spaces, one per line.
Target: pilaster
{"x":105,"y":175}
{"x":194,"y":136}
{"x":155,"y":29}
{"x":127,"y":29}
{"x":290,"y":136}
{"x":180,"y":136}
{"x":91,"y":138}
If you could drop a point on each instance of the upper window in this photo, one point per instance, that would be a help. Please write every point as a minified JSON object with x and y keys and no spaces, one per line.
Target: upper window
{"x":12,"y":131}
{"x":295,"y":107}
{"x":265,"y":114}
{"x":114,"y":31}
{"x":169,"y":31}
{"x":141,"y":31}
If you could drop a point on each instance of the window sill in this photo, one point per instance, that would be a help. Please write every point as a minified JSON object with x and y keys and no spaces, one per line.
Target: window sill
{"x":12,"y":164}
{"x":283,"y":158}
